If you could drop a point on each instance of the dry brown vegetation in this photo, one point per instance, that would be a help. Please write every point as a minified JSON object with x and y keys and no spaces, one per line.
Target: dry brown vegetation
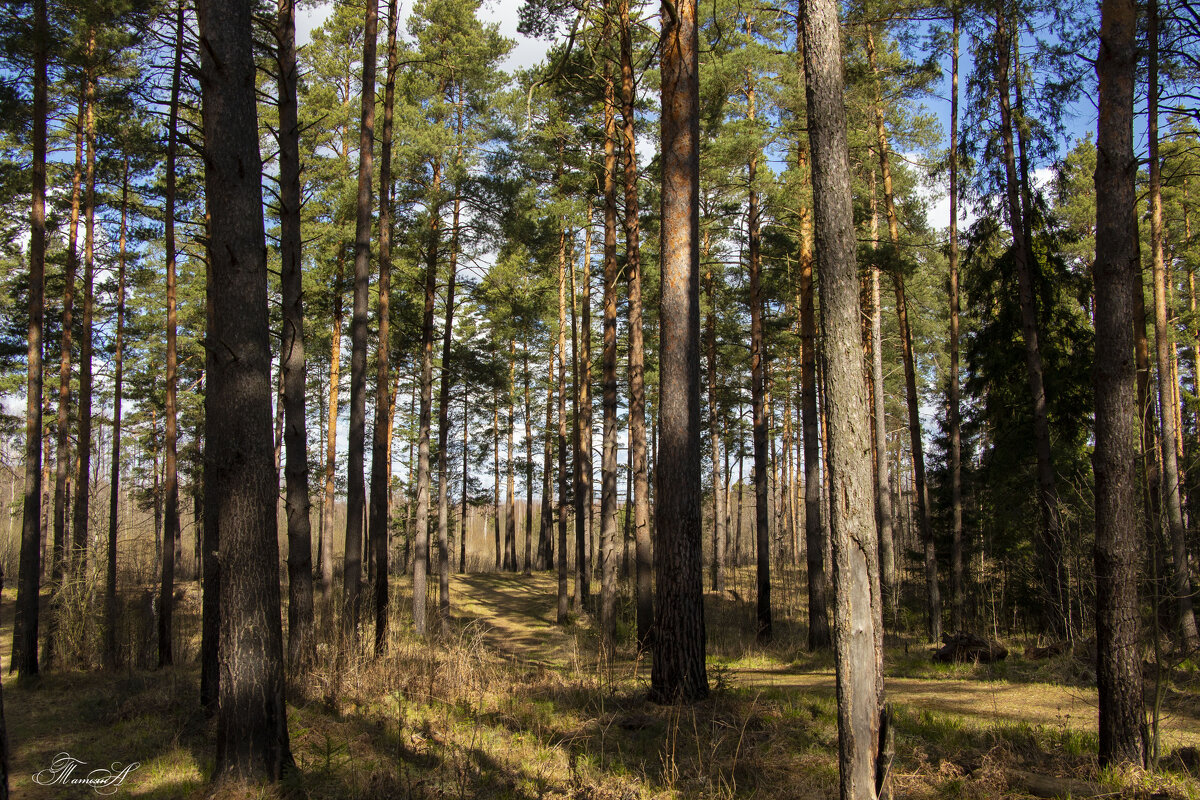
{"x":504,"y":704}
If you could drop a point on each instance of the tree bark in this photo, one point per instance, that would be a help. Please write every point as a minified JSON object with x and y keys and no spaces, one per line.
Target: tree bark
{"x":325,"y":556}
{"x":355,"y":488}
{"x":957,"y":588}
{"x":678,"y":669}
{"x":637,"y":370}
{"x":302,"y":646}
{"x":252,"y":736}
{"x":608,"y":463}
{"x":858,"y":639}
{"x":114,"y":481}
{"x":1119,"y":677}
{"x":166,"y":601}
{"x":379,"y":516}
{"x":25,"y":622}
{"x":563,"y":488}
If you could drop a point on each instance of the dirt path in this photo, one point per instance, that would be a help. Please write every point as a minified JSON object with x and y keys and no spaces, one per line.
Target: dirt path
{"x":518,"y":615}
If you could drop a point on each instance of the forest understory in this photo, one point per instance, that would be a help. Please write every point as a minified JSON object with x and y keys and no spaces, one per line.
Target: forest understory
{"x":505,"y":704}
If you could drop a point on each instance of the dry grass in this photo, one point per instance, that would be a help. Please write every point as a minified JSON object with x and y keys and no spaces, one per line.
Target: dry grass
{"x":503,"y":703}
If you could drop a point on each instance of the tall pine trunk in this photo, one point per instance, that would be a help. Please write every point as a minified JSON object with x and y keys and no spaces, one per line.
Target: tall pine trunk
{"x":563,"y":487}
{"x":678,"y":669}
{"x":608,"y":462}
{"x":171,"y":424}
{"x":355,"y":488}
{"x":301,"y":639}
{"x":114,"y":482}
{"x":329,"y":501}
{"x":252,"y":733}
{"x":957,"y":588}
{"x":25,"y":621}
{"x":858,"y":639}
{"x":1118,"y":673}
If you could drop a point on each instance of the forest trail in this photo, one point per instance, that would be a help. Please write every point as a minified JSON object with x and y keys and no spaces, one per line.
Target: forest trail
{"x":517,"y":614}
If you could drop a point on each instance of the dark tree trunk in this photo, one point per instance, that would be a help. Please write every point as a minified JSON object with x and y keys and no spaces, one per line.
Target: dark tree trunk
{"x":356,"y":451}
{"x":329,"y":499}
{"x":421,"y":531}
{"x":301,"y":639}
{"x":758,"y":390}
{"x":379,"y":511}
{"x":583,"y":422}
{"x":678,"y":669}
{"x":25,"y":625}
{"x":62,"y":457}
{"x":210,"y":603}
{"x":1049,"y":544}
{"x":114,"y":482}
{"x":252,"y":736}
{"x":1118,"y":672}
{"x":81,"y":508}
{"x":510,"y":508}
{"x":166,"y":603}
{"x":957,"y":588}
{"x":858,"y":638}
{"x":528,"y":567}
{"x":815,"y":540}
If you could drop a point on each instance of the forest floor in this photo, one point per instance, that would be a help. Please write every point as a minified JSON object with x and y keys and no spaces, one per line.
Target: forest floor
{"x":507,"y":704}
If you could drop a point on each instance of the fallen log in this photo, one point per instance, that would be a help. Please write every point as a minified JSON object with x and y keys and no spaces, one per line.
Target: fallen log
{"x":1051,"y":787}
{"x":969,"y":647}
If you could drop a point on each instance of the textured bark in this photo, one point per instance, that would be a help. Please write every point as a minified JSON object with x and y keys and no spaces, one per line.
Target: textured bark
{"x":545,"y":546}
{"x":563,"y":488}
{"x":637,"y":372}
{"x":581,"y":349}
{"x":302,"y":647}
{"x":1118,"y":673}
{"x":1163,"y":346}
{"x":80,"y":509}
{"x":421,"y":526}
{"x":166,"y":602}
{"x":858,"y":639}
{"x":356,"y":440}
{"x":25,"y":622}
{"x":608,"y":460}
{"x":714,"y":433}
{"x":62,"y":457}
{"x":528,"y":416}
{"x":252,"y":737}
{"x":957,"y":589}
{"x":510,"y":509}
{"x":210,"y":602}
{"x":1048,"y":544}
{"x":379,"y":511}
{"x":114,"y":481}
{"x":678,"y":669}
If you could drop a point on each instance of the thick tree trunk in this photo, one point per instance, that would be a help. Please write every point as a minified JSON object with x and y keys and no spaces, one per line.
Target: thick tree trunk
{"x":608,"y":462}
{"x":678,"y":669}
{"x":252,"y":734}
{"x":583,"y":422}
{"x":637,"y":371}
{"x":714,"y":433}
{"x":355,"y":489}
{"x":166,"y":601}
{"x":1168,"y":408}
{"x":25,"y":622}
{"x":1119,"y":676}
{"x":858,"y":639}
{"x":302,"y":647}
{"x":114,"y":481}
